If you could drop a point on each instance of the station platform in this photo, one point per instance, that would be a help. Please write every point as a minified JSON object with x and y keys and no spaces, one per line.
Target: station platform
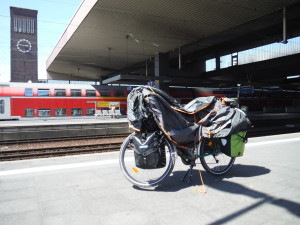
{"x":26,"y":122}
{"x":261,"y":188}
{"x":24,"y":129}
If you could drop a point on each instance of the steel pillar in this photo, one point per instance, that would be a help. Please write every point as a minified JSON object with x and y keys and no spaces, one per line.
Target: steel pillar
{"x":161,"y":69}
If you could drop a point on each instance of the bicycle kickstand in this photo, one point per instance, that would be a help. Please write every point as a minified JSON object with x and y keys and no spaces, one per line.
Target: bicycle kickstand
{"x":190,"y":171}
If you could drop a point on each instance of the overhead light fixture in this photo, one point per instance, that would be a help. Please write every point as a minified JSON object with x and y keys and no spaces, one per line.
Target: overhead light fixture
{"x":293,"y":77}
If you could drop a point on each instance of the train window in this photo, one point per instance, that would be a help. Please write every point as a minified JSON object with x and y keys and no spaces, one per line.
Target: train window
{"x":105,"y":93}
{"x":119,"y":93}
{"x":43,"y":112}
{"x":76,"y":112}
{"x":28,"y":112}
{"x":90,"y":111}
{"x":75,"y":93}
{"x":60,"y":112}
{"x":28,"y":92}
{"x":1,"y":106}
{"x":90,"y":93}
{"x":59,"y":92}
{"x":43,"y":92}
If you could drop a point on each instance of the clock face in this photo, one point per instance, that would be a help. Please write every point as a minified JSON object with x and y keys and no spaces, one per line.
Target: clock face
{"x":24,"y":45}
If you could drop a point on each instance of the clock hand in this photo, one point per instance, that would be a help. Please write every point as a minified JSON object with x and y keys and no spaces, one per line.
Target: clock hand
{"x":24,"y":45}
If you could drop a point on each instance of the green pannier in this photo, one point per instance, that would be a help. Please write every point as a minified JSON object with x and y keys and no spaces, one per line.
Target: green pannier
{"x":234,"y":145}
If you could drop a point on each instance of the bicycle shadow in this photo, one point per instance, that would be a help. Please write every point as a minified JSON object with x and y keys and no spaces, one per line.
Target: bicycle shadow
{"x":173,"y":184}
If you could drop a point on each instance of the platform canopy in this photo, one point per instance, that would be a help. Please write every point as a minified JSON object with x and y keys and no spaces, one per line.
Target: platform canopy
{"x":110,"y":38}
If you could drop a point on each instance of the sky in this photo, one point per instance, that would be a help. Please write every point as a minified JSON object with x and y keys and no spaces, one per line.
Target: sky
{"x":53,"y":18}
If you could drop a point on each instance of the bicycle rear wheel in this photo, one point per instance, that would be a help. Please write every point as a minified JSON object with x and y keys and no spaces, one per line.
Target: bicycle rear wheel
{"x":212,"y":159}
{"x":145,"y":177}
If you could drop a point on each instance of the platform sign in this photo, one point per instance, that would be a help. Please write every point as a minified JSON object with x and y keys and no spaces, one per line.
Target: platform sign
{"x":108,"y":104}
{"x":103,"y":104}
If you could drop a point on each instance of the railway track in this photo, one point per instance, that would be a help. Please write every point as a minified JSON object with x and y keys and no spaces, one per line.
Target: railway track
{"x":20,"y":154}
{"x":58,"y":139}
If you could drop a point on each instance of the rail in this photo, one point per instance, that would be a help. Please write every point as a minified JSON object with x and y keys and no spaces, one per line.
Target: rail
{"x":8,"y":155}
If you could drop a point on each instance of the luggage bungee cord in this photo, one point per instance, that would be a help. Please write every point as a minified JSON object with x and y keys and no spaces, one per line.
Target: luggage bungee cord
{"x":202,"y":189}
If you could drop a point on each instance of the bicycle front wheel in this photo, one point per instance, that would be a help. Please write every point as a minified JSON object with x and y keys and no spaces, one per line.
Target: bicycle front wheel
{"x":145,"y":177}
{"x":212,"y":159}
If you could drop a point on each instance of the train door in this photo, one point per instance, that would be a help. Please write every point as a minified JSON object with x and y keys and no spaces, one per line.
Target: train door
{"x":4,"y":108}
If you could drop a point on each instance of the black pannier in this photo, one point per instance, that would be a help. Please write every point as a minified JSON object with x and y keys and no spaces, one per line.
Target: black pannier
{"x":149,"y":151}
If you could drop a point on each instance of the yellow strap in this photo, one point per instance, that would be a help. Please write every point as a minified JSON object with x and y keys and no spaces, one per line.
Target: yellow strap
{"x":191,"y":113}
{"x":202,"y":189}
{"x":151,"y":89}
{"x":132,"y":127}
{"x":182,"y":111}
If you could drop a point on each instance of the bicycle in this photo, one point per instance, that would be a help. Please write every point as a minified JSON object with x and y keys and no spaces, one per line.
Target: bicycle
{"x":212,"y":159}
{"x":204,"y":129}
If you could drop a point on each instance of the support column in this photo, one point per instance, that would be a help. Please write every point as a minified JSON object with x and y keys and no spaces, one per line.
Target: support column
{"x":161,"y":69}
{"x":218,"y":62}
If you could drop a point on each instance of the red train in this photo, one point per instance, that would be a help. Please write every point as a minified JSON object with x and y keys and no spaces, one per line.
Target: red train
{"x":58,"y":100}
{"x":74,"y":100}
{"x":70,"y":100}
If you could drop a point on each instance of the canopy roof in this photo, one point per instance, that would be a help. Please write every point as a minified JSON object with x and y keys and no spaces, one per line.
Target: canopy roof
{"x":109,"y":37}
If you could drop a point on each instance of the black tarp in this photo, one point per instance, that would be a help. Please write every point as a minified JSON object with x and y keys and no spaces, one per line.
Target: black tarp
{"x":149,"y":107}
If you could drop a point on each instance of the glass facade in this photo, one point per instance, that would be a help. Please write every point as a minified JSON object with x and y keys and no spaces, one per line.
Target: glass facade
{"x":23,"y":25}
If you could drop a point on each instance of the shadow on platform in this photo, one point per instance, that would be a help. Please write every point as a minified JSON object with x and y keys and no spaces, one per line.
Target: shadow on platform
{"x":173,"y":184}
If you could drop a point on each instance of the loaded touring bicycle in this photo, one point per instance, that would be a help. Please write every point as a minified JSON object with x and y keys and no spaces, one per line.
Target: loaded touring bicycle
{"x":208,"y":128}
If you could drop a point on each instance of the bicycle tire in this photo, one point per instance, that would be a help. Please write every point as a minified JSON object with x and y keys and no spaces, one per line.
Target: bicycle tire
{"x":214,"y":163}
{"x":144,"y":178}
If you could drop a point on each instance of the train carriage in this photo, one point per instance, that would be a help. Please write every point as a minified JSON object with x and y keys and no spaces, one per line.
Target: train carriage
{"x":77,"y":100}
{"x":58,"y":100}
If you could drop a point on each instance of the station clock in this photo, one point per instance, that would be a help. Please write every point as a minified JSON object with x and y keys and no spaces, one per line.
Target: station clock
{"x":24,"y":46}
